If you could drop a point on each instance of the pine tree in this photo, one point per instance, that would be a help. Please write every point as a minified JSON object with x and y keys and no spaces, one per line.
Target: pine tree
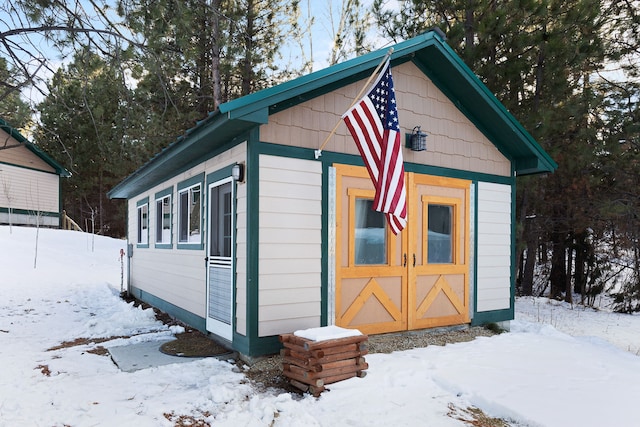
{"x":541,"y":59}
{"x":13,"y":109}
{"x":83,"y":124}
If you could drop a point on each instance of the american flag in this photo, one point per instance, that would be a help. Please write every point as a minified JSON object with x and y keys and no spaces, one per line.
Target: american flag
{"x":373,"y":124}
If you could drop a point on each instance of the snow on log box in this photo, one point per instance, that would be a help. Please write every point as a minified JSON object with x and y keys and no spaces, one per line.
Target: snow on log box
{"x":315,"y":357}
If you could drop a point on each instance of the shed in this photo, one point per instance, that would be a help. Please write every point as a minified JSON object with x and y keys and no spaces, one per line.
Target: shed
{"x":30,"y":185}
{"x":289,"y":242}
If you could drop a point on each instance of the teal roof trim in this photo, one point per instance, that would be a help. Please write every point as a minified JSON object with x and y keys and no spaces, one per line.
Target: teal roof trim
{"x":61,"y":171}
{"x":428,"y":51}
{"x":438,"y":60}
{"x":306,"y":87}
{"x":199,"y":142}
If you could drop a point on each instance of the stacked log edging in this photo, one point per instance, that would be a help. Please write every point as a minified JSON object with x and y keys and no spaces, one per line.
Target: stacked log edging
{"x":311,"y":365}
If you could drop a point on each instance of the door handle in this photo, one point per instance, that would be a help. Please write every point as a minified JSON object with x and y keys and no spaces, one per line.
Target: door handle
{"x":414,"y":260}
{"x":405,"y":260}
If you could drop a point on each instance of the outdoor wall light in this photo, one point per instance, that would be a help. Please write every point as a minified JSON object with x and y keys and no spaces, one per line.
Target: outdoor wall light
{"x":418,"y":140}
{"x":237,"y":172}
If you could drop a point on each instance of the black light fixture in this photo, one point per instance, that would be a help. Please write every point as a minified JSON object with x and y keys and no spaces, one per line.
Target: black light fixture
{"x":418,"y":140}
{"x":237,"y":172}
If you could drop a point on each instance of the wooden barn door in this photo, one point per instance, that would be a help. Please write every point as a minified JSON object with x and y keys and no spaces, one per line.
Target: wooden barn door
{"x":371,"y":279}
{"x":439,"y":251}
{"x":387,"y":283}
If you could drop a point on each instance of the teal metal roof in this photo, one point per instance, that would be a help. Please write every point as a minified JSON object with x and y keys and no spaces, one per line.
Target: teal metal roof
{"x":428,"y":51}
{"x":34,"y":149}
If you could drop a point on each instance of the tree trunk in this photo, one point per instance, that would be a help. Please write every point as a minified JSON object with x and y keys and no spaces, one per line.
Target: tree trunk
{"x":558,"y":266}
{"x":568,"y":295}
{"x":580,"y":282}
{"x":247,"y":68}
{"x":215,"y":55}
{"x":529,"y":266}
{"x":469,"y":32}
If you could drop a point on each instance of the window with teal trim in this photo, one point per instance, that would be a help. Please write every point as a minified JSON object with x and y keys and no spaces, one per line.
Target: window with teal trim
{"x":189,"y":215}
{"x":143,"y":224}
{"x":163,"y":220}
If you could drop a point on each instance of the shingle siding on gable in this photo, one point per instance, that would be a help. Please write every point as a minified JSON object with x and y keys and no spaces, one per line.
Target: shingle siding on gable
{"x":453,"y":141}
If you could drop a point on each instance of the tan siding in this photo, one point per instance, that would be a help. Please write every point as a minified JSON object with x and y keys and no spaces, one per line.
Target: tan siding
{"x":21,"y":155}
{"x":494,"y":247}
{"x":268,"y":328}
{"x":291,"y":280}
{"x":29,"y":189}
{"x":453,"y":141}
{"x":290,"y":244}
{"x":178,"y":276}
{"x":297,"y":295}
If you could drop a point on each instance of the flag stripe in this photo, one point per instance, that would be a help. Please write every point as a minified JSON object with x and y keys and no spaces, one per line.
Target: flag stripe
{"x":369,"y":151}
{"x":373,"y":124}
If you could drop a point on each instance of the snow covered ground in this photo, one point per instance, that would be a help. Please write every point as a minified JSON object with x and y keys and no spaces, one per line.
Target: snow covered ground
{"x":559,"y":366}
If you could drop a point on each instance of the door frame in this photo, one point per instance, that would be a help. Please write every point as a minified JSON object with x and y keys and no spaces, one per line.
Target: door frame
{"x":215,"y":326}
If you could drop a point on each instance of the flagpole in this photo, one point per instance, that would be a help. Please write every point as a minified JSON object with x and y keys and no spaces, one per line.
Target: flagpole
{"x":318,"y":152}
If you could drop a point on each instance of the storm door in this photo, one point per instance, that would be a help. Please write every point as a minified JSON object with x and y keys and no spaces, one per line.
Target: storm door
{"x":220,"y":259}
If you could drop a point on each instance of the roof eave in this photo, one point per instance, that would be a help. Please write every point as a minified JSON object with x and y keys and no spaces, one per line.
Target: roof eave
{"x":208,"y":134}
{"x":13,"y":132}
{"x":429,"y":51}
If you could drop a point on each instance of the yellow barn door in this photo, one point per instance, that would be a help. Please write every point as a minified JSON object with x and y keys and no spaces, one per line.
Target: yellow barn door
{"x":418,"y":279}
{"x":439,"y":251}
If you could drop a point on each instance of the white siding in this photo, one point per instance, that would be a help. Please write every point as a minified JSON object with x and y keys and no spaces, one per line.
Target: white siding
{"x":494,"y":247}
{"x":29,"y":189}
{"x":178,"y":276}
{"x":290,"y":244}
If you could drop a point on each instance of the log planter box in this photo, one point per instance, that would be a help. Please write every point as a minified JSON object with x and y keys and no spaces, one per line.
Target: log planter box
{"x":311,"y":365}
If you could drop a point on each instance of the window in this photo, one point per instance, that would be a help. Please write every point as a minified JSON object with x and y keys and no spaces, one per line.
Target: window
{"x":189,"y":215}
{"x":440,"y":238}
{"x":143,"y":222}
{"x":370,"y":236}
{"x":221,"y":221}
{"x":163,"y":220}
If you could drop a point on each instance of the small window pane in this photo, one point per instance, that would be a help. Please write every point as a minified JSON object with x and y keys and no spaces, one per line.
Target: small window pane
{"x":440,"y":238}
{"x":194,"y":217}
{"x":143,"y":224}
{"x":227,"y":223}
{"x":370,"y":234}
{"x":189,"y":215}
{"x":163,"y":220}
{"x":183,"y":214}
{"x":221,"y":217}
